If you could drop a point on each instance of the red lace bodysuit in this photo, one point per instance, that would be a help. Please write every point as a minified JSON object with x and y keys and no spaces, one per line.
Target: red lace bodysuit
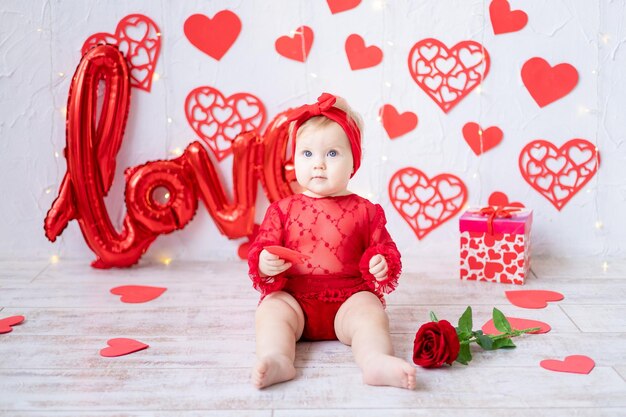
{"x":341,"y":235}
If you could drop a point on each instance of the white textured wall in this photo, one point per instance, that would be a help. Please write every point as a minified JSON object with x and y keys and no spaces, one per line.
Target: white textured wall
{"x":40,"y":45}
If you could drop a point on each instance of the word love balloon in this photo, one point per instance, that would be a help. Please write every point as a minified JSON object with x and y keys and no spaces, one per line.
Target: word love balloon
{"x":93,"y":142}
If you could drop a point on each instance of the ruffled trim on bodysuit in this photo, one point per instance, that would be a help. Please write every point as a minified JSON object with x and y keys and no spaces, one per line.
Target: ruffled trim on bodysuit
{"x":265,"y":285}
{"x":394,"y":268}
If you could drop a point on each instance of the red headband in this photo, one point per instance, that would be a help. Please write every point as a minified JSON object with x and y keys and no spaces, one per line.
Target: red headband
{"x":324,"y":107}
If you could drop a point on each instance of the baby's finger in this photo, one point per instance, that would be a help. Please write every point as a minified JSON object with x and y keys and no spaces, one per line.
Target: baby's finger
{"x":375,"y":260}
{"x":268,"y":255}
{"x":382,"y":273}
{"x":377,"y":268}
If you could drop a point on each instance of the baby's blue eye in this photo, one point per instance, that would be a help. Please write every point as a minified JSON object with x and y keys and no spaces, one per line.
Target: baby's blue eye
{"x":308,"y":154}
{"x":332,"y":153}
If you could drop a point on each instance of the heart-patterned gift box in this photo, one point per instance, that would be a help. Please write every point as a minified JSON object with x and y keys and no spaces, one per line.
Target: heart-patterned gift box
{"x":495,"y":244}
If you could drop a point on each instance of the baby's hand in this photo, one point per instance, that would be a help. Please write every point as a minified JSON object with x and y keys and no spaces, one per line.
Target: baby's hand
{"x":271,"y":265}
{"x":378,"y":267}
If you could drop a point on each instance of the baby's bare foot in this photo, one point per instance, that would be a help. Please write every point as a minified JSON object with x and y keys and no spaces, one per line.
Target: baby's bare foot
{"x":389,"y":371}
{"x":271,"y":370}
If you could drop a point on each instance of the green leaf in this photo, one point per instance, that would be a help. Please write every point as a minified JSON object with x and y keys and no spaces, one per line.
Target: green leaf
{"x":463,"y":336}
{"x":433,"y":317}
{"x":500,"y":321}
{"x":503,"y":343}
{"x":464,"y":355}
{"x":465,"y":321}
{"x":484,"y":342}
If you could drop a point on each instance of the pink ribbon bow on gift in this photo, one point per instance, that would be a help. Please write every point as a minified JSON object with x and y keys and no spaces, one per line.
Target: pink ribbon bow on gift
{"x":496,"y":212}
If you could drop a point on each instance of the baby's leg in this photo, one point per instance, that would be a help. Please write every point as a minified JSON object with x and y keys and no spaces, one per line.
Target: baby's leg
{"x":362,"y":323}
{"x":279,"y":324}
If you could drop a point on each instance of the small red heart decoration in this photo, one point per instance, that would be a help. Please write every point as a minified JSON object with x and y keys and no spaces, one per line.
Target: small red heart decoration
{"x":533,"y":298}
{"x":338,"y":6}
{"x":426,"y":203}
{"x":481,"y":140}
{"x":517,"y":324}
{"x":547,"y":84}
{"x":447,"y":75}
{"x":214,"y":36}
{"x":122,"y":346}
{"x":397,"y":124}
{"x":139,"y":39}
{"x":505,"y":20}
{"x":7,"y":322}
{"x":575,"y":364}
{"x":137,"y":293}
{"x":498,"y":198}
{"x":296,"y":47}
{"x":361,"y":56}
{"x":559,"y":173}
{"x":218,"y":120}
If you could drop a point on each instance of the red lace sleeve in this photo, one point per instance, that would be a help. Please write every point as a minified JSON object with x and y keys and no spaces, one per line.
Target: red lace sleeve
{"x":270,"y":233}
{"x":381,"y":243}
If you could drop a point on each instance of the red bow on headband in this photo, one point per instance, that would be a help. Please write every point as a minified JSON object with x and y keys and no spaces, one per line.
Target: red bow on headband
{"x":496,"y":212}
{"x":325,"y":107}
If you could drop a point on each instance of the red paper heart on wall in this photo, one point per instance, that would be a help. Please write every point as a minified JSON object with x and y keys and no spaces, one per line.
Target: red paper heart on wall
{"x":214,"y":36}
{"x":559,"y":173}
{"x":426,"y":203}
{"x":547,"y":84}
{"x":338,"y":6}
{"x":505,"y":20}
{"x":481,"y":140}
{"x":139,"y":39}
{"x":122,"y":346}
{"x":576,"y":364}
{"x":296,"y":47}
{"x":218,"y":119}
{"x":447,"y":75}
{"x":7,"y":323}
{"x":137,"y":293}
{"x":396,"y":124}
{"x":361,"y":56}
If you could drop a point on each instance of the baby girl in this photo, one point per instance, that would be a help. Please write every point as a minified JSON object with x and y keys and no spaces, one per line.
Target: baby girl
{"x":337,"y":292}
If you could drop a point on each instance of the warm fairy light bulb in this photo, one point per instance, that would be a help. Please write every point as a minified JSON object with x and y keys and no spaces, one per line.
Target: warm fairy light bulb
{"x":475,"y":175}
{"x":599,"y":225}
{"x":480,"y":132}
{"x":605,"y":266}
{"x":56,"y":154}
{"x":313,"y":75}
{"x":176,"y":151}
{"x":466,"y":206}
{"x":583,"y":110}
{"x":61,"y":74}
{"x":384,"y":158}
{"x":479,"y":89}
{"x":370,"y":196}
{"x":606,"y":38}
{"x":169,"y":120}
{"x":379,"y":118}
{"x":387,"y":84}
{"x":39,"y":30}
{"x":158,"y":34}
{"x":389,"y":43}
{"x":48,"y":190}
{"x":156,"y":76}
{"x":379,"y":4}
{"x":54,"y":259}
{"x":166,"y":261}
{"x":63,"y":111}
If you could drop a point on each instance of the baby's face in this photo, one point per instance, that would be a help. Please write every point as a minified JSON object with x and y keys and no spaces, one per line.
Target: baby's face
{"x":323,"y":161}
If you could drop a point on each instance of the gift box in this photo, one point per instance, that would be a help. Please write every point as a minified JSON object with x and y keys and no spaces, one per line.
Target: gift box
{"x":495,"y":244}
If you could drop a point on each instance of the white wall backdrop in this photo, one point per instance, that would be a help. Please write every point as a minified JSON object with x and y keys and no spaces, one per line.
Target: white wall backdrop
{"x":40,"y":43}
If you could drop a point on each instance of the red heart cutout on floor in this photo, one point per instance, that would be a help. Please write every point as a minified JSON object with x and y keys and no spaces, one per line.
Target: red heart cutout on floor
{"x":547,"y":84}
{"x":287,"y":254}
{"x":447,"y":75}
{"x":122,"y":346}
{"x":361,"y":56}
{"x":532,"y":298}
{"x":296,"y":47}
{"x":426,"y":203}
{"x":7,"y":322}
{"x":338,"y":6}
{"x":505,"y":20}
{"x":137,"y":293}
{"x":517,"y":324}
{"x":498,"y":198}
{"x":214,"y":36}
{"x":481,"y":140}
{"x":559,"y":173}
{"x":396,"y":124}
{"x":139,"y":39}
{"x":218,"y":120}
{"x":575,"y":364}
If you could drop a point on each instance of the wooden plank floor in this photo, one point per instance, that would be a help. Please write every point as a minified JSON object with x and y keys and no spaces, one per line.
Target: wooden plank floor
{"x":201,"y":338}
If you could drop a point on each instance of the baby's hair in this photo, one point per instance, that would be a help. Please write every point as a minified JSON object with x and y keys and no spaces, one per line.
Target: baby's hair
{"x":321,"y":121}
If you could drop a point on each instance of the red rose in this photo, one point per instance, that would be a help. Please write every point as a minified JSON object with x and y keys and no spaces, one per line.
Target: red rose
{"x":435,"y":343}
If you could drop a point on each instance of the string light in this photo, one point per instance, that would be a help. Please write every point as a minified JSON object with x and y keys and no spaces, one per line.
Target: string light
{"x":479,"y":89}
{"x":389,"y":43}
{"x":39,"y":30}
{"x":379,"y":4}
{"x":387,"y":83}
{"x":599,"y":224}
{"x":61,"y":74}
{"x":606,"y":38}
{"x":605,"y":266}
{"x":48,"y":190}
{"x":156,"y":76}
{"x":56,"y":154}
{"x":169,"y":120}
{"x":313,"y":75}
{"x":54,"y":259}
{"x":583,"y":110}
{"x":63,"y":111}
{"x":176,"y":151}
{"x":166,"y":261}
{"x":384,"y":158}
